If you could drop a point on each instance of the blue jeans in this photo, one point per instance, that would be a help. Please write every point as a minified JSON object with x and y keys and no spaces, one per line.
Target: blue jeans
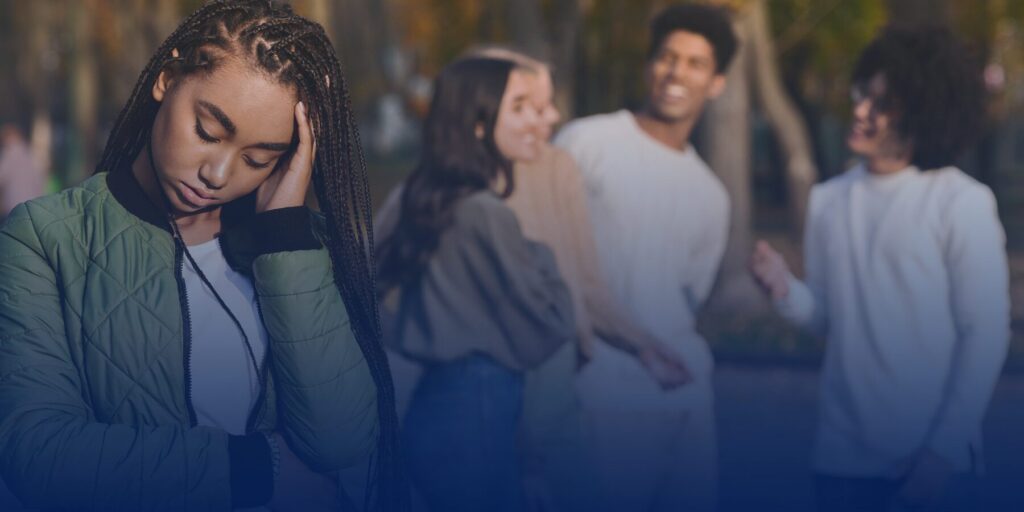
{"x":459,"y":436}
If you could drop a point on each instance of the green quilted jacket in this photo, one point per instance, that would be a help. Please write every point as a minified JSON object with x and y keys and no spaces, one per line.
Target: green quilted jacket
{"x":95,"y":410}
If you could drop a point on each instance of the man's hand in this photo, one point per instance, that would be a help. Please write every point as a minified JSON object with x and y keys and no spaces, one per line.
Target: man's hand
{"x":770,"y":270}
{"x":664,"y":365}
{"x":927,"y":481}
{"x":300,"y":489}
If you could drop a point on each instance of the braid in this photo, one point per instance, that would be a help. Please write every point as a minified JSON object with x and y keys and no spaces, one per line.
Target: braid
{"x":296,"y":51}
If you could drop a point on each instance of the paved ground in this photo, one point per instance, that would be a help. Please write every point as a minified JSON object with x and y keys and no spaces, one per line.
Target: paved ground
{"x":766,"y":422}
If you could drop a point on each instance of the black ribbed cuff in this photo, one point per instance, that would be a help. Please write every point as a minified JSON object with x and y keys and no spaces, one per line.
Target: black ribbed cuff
{"x":252,"y":471}
{"x":280,"y":230}
{"x":284,"y":229}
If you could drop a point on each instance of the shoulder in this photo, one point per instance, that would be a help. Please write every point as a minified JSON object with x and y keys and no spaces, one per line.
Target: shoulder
{"x":956,"y":182}
{"x":484,"y":212}
{"x":56,"y":215}
{"x":961,"y":194}
{"x":597,"y":128}
{"x":712,"y":188}
{"x":562,"y":167}
{"x":830,"y":188}
{"x":484,"y":203}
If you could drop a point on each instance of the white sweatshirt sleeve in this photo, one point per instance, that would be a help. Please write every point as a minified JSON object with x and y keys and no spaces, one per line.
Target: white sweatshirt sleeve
{"x":708,"y":259}
{"x":804,"y":305}
{"x":979,"y":278}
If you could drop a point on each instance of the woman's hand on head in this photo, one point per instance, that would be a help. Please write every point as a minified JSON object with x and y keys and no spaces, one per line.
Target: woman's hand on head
{"x":287,"y":186}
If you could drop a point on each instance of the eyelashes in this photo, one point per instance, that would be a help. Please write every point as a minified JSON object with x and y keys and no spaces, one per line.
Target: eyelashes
{"x":206,"y":138}
{"x":256,"y":165}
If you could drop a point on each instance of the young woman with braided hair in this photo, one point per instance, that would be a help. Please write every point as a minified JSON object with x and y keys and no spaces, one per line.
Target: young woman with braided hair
{"x":179,"y":331}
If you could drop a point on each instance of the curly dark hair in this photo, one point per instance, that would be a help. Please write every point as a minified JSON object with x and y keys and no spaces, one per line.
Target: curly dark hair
{"x":934,"y":90}
{"x":713,"y":23}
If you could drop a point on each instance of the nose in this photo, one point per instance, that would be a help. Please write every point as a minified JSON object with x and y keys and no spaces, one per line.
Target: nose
{"x":862,"y":108}
{"x":215,"y":173}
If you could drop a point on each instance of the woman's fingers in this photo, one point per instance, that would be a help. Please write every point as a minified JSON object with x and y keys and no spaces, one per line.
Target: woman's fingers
{"x":288,"y":187}
{"x":303,"y":159}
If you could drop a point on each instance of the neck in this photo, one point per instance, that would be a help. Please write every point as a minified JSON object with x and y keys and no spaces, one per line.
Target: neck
{"x":882,"y":165}
{"x":674,"y":134}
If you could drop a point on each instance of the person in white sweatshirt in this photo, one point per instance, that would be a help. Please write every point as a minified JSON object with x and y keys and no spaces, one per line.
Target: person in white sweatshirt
{"x":660,"y":221}
{"x":906,"y":277}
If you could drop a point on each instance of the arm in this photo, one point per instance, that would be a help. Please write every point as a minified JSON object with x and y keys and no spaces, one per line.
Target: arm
{"x":54,"y":454}
{"x":327,"y":398}
{"x":707,"y":254}
{"x":530,"y":300}
{"x":800,"y":302}
{"x":978,"y":273}
{"x":608,"y":319}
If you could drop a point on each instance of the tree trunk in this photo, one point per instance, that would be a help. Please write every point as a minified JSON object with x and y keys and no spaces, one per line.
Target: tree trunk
{"x":565,"y":48}
{"x":37,"y":68}
{"x":526,"y":27}
{"x":84,"y":93}
{"x":728,"y":150}
{"x":785,"y":120}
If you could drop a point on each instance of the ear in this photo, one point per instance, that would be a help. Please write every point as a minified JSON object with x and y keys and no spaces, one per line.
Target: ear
{"x":479,"y":131}
{"x":163,"y":81}
{"x":717,"y":86}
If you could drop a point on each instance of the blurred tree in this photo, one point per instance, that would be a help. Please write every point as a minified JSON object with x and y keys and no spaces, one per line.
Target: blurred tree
{"x":920,"y":12}
{"x":85,"y":89}
{"x":787,"y":124}
{"x":727,"y":149}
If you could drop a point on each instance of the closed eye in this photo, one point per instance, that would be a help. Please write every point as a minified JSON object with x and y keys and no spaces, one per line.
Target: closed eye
{"x":257,"y":165}
{"x":206,"y":137}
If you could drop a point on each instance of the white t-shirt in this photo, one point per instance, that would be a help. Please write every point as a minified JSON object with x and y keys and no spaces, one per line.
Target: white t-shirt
{"x":225,"y":385}
{"x":907,"y":278}
{"x":661,"y":222}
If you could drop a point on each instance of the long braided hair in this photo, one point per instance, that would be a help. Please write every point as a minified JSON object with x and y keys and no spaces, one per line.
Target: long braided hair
{"x":296,"y":51}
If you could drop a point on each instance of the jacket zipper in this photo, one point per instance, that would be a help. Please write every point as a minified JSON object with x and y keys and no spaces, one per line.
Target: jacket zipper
{"x":259,"y":408}
{"x":179,"y":264}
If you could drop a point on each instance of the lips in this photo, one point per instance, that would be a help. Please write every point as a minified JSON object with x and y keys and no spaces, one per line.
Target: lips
{"x":194,"y":197}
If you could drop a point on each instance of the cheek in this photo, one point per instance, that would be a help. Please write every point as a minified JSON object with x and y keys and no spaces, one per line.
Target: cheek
{"x":173,"y":150}
{"x":247,"y":180}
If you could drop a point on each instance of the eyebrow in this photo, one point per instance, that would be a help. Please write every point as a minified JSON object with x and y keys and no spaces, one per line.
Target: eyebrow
{"x":224,"y":120}
{"x":220,"y":115}
{"x":273,"y":146}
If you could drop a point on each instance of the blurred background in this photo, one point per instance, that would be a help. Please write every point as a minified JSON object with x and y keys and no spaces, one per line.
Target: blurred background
{"x":68,"y":66}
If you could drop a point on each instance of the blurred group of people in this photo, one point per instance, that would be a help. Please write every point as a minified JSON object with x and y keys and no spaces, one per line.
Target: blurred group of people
{"x":538,"y":291}
{"x":539,"y":295}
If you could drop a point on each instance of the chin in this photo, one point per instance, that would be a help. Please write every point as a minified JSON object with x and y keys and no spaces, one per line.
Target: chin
{"x":859,"y":146}
{"x":670,"y":115}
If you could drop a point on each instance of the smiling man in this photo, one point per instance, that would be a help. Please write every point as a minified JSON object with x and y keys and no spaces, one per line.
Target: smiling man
{"x":660,"y":221}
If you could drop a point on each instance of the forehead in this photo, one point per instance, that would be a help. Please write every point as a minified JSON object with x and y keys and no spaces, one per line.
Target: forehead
{"x":542,"y":84}
{"x":260,"y":107}
{"x":689,"y":44}
{"x":520,"y":83}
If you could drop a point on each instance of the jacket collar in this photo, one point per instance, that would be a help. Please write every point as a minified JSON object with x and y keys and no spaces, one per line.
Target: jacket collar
{"x":128,"y":192}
